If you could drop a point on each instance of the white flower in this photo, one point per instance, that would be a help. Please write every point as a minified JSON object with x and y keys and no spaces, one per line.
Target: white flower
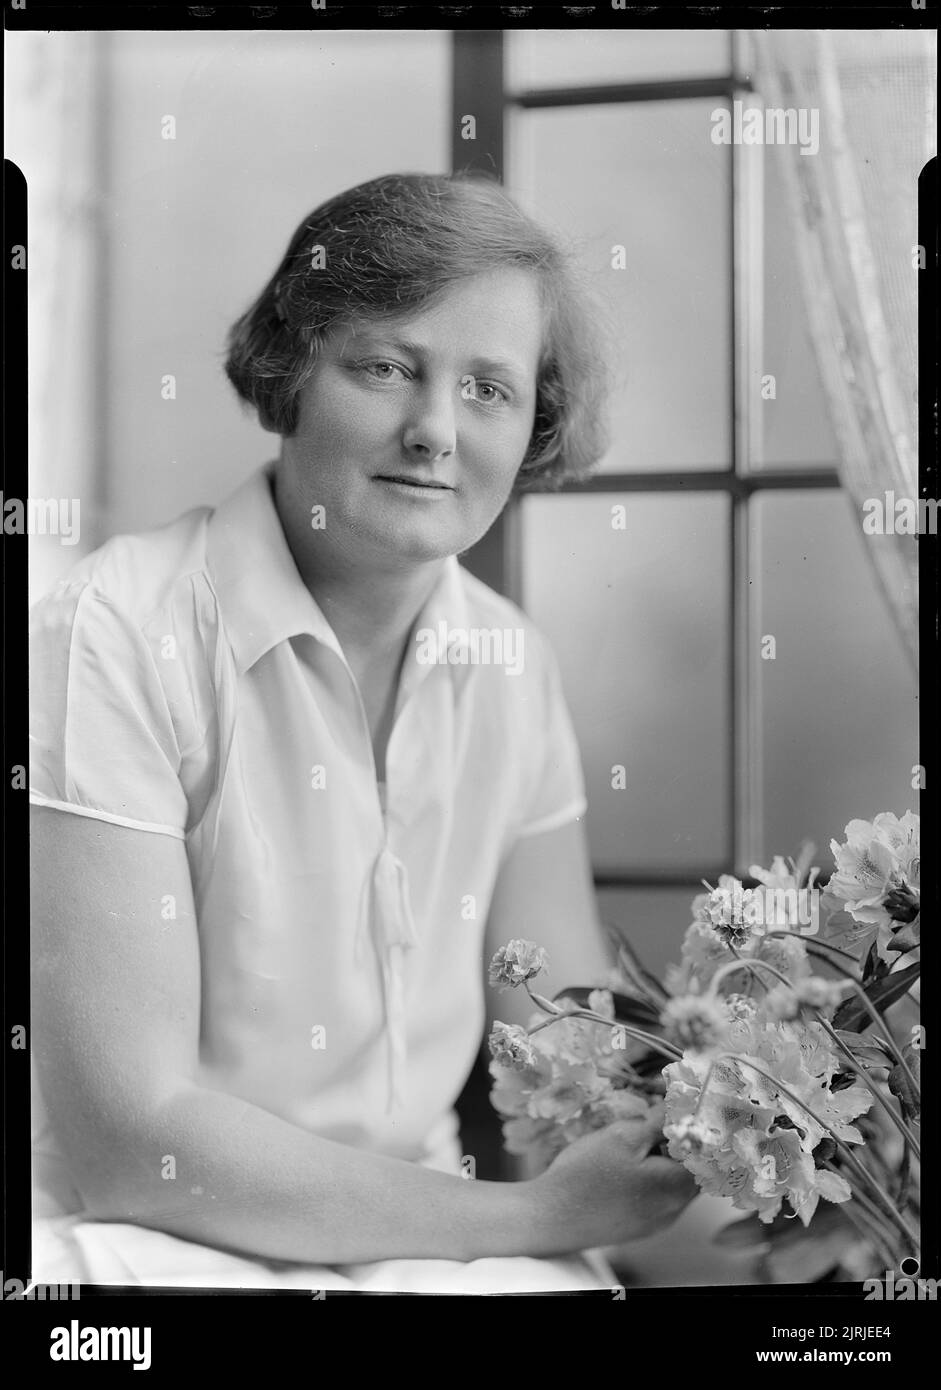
{"x":601,"y":1001}
{"x":510,"y":1046}
{"x":746,"y":1135}
{"x":818,"y":993}
{"x":786,"y":1001}
{"x":694,"y":1021}
{"x":739,"y":1007}
{"x":702,"y":955}
{"x":786,"y":954}
{"x":515,"y":963}
{"x":876,"y":857}
{"x":728,"y":910}
{"x":689,"y":1135}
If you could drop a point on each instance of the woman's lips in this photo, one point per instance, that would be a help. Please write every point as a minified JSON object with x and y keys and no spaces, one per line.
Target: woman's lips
{"x":415,"y":487}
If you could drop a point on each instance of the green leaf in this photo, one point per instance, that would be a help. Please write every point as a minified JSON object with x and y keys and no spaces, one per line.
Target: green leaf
{"x":871,"y":1052}
{"x":634,"y":966}
{"x":875,"y":966}
{"x":909,"y":1096}
{"x":907,"y":938}
{"x":853,"y":1017}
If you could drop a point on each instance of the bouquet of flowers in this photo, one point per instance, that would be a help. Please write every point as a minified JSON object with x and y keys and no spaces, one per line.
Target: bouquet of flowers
{"x":768,"y":1052}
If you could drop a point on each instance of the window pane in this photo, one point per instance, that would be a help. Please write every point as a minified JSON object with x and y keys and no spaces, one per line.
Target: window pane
{"x":653,"y":920}
{"x":796,"y":424}
{"x":584,"y":57}
{"x":638,"y":620}
{"x":649,"y":179}
{"x":839,"y":701}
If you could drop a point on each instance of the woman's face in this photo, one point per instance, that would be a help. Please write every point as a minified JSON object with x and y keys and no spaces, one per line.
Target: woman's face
{"x":410,"y":434}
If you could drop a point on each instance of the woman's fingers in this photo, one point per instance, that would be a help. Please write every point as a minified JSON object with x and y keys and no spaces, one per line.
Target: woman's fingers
{"x":638,"y":1136}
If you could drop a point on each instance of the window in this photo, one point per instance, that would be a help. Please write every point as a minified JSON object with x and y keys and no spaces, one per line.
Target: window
{"x":735,"y":529}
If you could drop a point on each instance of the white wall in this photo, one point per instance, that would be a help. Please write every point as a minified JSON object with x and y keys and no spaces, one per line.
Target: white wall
{"x":268,"y":125}
{"x":50,"y":132}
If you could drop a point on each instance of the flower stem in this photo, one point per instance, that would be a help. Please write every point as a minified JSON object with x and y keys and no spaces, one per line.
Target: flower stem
{"x":538,"y":1027}
{"x":883,"y":1028}
{"x":751,"y":965}
{"x":815,"y":947}
{"x":658,"y":1044}
{"x":888,"y":1205}
{"x":897,"y":1120}
{"x":876,"y":1217}
{"x":871,"y":1226}
{"x":547,"y":1006}
{"x":878,"y":1020}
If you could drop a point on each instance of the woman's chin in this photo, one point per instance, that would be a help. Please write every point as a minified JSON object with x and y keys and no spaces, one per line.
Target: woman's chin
{"x":418,"y":542}
{"x":420,"y":550}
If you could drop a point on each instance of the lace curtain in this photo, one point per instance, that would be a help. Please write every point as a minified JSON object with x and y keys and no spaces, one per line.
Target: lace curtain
{"x":853,"y":207}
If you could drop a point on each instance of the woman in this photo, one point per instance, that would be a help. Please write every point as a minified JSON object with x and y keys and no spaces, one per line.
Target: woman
{"x":290,"y":793}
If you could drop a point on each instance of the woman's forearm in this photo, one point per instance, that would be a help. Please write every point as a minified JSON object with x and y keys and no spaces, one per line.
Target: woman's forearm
{"x":249,"y":1181}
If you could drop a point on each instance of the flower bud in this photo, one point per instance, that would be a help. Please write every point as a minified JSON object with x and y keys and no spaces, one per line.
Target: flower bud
{"x":902,"y":903}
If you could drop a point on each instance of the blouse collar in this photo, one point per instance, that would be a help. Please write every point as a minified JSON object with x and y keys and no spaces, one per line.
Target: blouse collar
{"x":262,"y":598}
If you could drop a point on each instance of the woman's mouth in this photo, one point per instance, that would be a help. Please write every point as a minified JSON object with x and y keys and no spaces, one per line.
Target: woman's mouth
{"x":415,"y":487}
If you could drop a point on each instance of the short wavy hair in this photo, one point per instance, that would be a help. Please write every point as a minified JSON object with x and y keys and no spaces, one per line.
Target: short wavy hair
{"x":384,"y":248}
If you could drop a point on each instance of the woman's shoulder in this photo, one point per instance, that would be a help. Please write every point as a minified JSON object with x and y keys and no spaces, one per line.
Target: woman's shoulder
{"x":139,"y":575}
{"x":491,"y":611}
{"x":122,"y":694}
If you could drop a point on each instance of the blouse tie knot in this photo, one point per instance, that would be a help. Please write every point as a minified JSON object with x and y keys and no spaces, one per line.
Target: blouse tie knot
{"x":388,"y":910}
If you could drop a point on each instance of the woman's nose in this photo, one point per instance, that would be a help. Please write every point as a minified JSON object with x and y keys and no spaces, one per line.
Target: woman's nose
{"x":431,"y":429}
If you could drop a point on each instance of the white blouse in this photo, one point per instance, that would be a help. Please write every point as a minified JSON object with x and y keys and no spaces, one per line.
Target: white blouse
{"x":184,"y":682}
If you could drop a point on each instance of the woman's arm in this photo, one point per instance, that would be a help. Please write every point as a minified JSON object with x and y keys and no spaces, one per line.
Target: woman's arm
{"x":545,"y":893}
{"x":116,"y":1000}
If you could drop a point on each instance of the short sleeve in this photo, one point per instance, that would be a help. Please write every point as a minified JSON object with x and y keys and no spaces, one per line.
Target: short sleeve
{"x":102,"y":741}
{"x":556,"y":783}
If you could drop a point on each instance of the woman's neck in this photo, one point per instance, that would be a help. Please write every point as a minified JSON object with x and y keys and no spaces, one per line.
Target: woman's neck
{"x":371,"y":610}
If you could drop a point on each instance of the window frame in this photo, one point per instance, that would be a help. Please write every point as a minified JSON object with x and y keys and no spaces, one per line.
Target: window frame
{"x":479,"y":88}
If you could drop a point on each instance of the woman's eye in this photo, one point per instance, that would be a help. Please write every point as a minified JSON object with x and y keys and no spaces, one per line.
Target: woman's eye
{"x":381,"y":370}
{"x":488,"y":393}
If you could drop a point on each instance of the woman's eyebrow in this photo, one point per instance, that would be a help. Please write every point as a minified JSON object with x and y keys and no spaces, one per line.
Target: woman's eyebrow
{"x":499,"y":366}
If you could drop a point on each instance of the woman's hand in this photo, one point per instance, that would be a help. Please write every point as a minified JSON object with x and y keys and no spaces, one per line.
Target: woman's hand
{"x":604,"y":1188}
